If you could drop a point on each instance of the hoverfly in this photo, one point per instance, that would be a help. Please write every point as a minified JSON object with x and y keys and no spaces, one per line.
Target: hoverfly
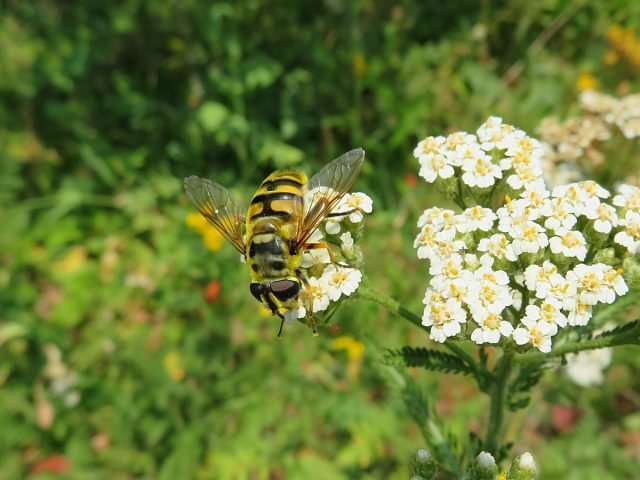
{"x":273,"y":233}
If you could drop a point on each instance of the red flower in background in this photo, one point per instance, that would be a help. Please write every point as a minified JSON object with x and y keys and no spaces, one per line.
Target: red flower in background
{"x":212,"y":291}
{"x":52,"y":464}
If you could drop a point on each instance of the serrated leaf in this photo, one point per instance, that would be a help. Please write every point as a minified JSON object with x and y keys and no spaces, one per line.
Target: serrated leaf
{"x":434,"y":360}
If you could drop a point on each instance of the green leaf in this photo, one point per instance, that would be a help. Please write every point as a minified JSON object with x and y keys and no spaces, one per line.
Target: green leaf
{"x":211,"y":115}
{"x":518,"y":395}
{"x":279,"y":153}
{"x":184,"y":460}
{"x":434,"y":360}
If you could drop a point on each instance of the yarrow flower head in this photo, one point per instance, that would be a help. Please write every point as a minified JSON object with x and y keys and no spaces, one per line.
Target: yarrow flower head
{"x":529,"y":269}
{"x":332,"y":270}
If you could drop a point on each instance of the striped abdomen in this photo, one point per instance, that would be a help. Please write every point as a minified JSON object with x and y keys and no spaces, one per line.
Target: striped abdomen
{"x":272,"y":221}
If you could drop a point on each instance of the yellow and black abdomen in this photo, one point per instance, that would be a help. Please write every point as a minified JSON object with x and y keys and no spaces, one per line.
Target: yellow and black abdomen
{"x":273,"y":222}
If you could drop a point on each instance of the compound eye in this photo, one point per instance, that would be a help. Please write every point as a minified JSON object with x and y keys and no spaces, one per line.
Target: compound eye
{"x":256,"y":290}
{"x":285,"y":290}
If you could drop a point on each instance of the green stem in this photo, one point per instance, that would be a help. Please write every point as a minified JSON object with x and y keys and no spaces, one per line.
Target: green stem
{"x":497,"y":399}
{"x":394,"y":306}
{"x":631,"y":336}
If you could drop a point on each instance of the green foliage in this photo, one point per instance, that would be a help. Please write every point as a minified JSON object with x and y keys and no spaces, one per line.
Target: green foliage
{"x":519,"y":393}
{"x":434,"y":360}
{"x":106,"y":106}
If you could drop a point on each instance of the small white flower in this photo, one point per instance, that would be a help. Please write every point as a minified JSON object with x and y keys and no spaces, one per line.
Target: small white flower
{"x":479,"y":170}
{"x":559,"y":214}
{"x":538,"y":278}
{"x":586,"y":368}
{"x":592,"y":286}
{"x":433,"y":166}
{"x":498,"y":246}
{"x":290,"y":316}
{"x":429,"y":146}
{"x":340,"y":281}
{"x":314,"y":256}
{"x":444,"y":317}
{"x":476,"y":218}
{"x":564,"y":290}
{"x":528,"y":237}
{"x":346,"y":242}
{"x":492,"y":326}
{"x":580,"y":314}
{"x":605,"y":218}
{"x":426,"y":241}
{"x":318,"y":293}
{"x":526,"y":144}
{"x":628,"y":198}
{"x":524,"y":175}
{"x":332,"y":227}
{"x":630,"y":236}
{"x":550,"y":312}
{"x":569,"y":243}
{"x":360,"y":202}
{"x":534,"y":331}
{"x":493,"y":294}
{"x":463,"y":288}
{"x":615,"y":281}
{"x":446,"y":267}
{"x":582,"y":199}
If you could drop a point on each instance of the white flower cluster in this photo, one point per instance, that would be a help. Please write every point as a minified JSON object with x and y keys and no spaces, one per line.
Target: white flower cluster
{"x":526,"y":270}
{"x":623,"y":112}
{"x":483,"y":159}
{"x":62,"y":380}
{"x":332,"y":274}
{"x":576,"y":146}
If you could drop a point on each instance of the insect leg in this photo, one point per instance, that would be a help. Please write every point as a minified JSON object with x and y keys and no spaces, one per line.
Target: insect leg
{"x":305,"y":282}
{"x":342,"y":214}
{"x":274,"y":311}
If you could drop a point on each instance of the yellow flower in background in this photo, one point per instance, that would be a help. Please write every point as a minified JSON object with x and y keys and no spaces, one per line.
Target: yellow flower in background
{"x":212,"y":239}
{"x":586,"y":81}
{"x":625,"y":43}
{"x":74,"y":260}
{"x":197,"y":222}
{"x":354,"y":349}
{"x":360,"y":66}
{"x":173,"y":366}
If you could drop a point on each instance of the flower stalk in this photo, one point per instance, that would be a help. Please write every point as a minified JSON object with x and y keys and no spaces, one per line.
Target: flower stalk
{"x":626,"y":337}
{"x":497,"y":399}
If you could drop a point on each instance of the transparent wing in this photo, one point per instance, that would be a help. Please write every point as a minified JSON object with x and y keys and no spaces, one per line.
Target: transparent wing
{"x":326,"y":188}
{"x":216,"y":204}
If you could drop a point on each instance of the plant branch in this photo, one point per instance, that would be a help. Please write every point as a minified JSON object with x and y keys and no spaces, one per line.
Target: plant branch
{"x":626,"y":337}
{"x":497,"y":399}
{"x":394,"y":306}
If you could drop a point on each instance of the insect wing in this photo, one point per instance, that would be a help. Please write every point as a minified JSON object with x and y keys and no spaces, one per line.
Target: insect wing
{"x":217,"y":205}
{"x":326,"y":188}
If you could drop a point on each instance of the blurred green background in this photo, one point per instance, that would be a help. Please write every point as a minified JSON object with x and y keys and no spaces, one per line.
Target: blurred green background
{"x":130,"y":348}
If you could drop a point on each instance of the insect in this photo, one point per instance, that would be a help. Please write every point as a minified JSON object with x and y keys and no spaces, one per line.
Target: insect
{"x":274,"y":232}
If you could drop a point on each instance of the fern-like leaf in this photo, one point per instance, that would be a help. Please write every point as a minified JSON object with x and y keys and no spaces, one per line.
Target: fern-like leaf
{"x":621,"y":329}
{"x":434,"y":360}
{"x":528,"y":377}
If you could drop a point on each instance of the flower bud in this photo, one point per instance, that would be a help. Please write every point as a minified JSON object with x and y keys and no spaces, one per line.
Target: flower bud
{"x":606,"y":256}
{"x":424,"y":465}
{"x":485,"y":467}
{"x":523,"y":468}
{"x":631,"y":271}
